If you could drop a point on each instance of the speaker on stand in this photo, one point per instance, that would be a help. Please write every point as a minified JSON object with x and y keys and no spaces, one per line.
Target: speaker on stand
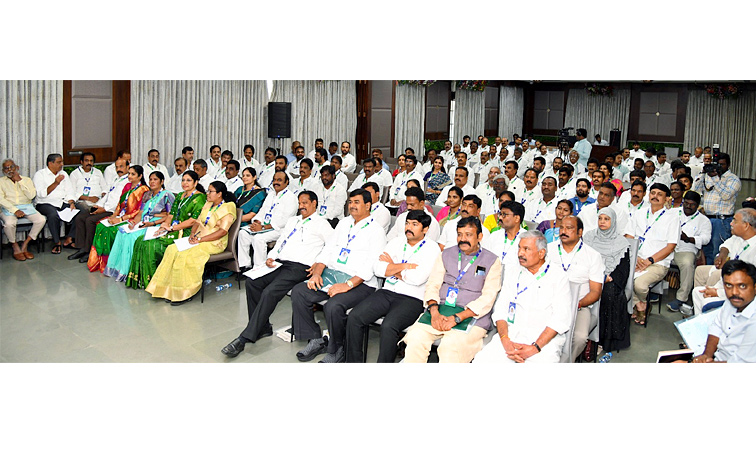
{"x":615,"y":138}
{"x":279,"y":122}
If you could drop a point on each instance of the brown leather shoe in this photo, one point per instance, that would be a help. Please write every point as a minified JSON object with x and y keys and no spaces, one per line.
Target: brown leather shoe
{"x":19,"y":256}
{"x":29,"y":255}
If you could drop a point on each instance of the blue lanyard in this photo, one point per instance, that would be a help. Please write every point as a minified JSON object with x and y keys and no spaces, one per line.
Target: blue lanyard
{"x":526,"y":287}
{"x":153,"y":202}
{"x":351,"y":238}
{"x":504,"y":253}
{"x":459,"y":266}
{"x":210,"y":211}
{"x":292,"y":233}
{"x":648,"y":228}
{"x":559,"y":248}
{"x":689,"y":219}
{"x":85,"y":178}
{"x":116,"y":183}
{"x":404,"y":260}
{"x":540,"y":211}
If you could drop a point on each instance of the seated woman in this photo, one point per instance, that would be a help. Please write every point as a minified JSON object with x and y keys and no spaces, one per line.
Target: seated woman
{"x":675,"y":200}
{"x":155,"y":206}
{"x":249,"y":197}
{"x":179,"y":275}
{"x":400,"y":162}
{"x":148,"y":254}
{"x":614,"y":321}
{"x":436,"y":180}
{"x":550,"y":228}
{"x":609,"y":176}
{"x":403,"y":205}
{"x":453,"y":206}
{"x":128,"y":208}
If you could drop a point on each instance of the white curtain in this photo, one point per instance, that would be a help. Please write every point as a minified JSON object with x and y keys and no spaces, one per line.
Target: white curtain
{"x":319,"y":109}
{"x":31,"y":122}
{"x":169,"y":115}
{"x":469,"y":114}
{"x":729,"y":123}
{"x":599,"y":114}
{"x":409,"y":120}
{"x":511,"y":109}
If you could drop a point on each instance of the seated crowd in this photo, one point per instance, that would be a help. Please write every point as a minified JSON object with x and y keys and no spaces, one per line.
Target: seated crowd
{"x":445,"y":261}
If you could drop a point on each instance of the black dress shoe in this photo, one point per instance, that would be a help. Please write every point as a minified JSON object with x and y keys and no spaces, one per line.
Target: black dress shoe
{"x":234,"y":348}
{"x":84,"y":259}
{"x":267,"y":331}
{"x":78,"y":254}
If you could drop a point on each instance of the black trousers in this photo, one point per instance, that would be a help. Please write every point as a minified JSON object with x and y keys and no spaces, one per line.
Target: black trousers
{"x":85,"y":225}
{"x":398,"y":312}
{"x":264,"y":293}
{"x":53,"y":220}
{"x":303,"y":319}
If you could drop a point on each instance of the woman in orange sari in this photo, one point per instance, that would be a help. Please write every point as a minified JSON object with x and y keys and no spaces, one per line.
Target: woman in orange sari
{"x":127,"y":208}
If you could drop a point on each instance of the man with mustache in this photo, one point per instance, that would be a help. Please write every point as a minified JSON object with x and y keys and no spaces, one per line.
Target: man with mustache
{"x":585,"y":267}
{"x":16,"y":195}
{"x":531,"y":193}
{"x":301,"y":240}
{"x":606,"y":196}
{"x":461,"y":176}
{"x":415,"y":198}
{"x":635,"y":199}
{"x":332,"y":195}
{"x":544,"y":208}
{"x":174,"y":183}
{"x":504,"y":242}
{"x":470,"y":207}
{"x":200,"y":167}
{"x":89,"y":183}
{"x":377,"y":210}
{"x":532,"y":312}
{"x":732,"y":334}
{"x":278,"y":207}
{"x":406,"y":263}
{"x":581,"y":199}
{"x":460,"y":292}
{"x":347,"y":258}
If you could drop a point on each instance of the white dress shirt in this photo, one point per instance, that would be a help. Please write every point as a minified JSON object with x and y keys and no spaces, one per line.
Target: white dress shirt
{"x":541,"y":210}
{"x":233,"y":183}
{"x":366,"y":245}
{"x":382,"y":215}
{"x":361,"y":179}
{"x":293,"y":168}
{"x":568,"y":191}
{"x":400,"y":184}
{"x":310,"y":184}
{"x":505,"y":249}
{"x":466,"y":190}
{"x":348,"y":163}
{"x":517,"y":187}
{"x":213,"y":167}
{"x":113,"y":194}
{"x":94,"y":180}
{"x":173,"y":184}
{"x":412,"y":284}
{"x":251,"y":163}
{"x":655,"y":231}
{"x":62,"y":193}
{"x":277,"y":208}
{"x":487,"y":195}
{"x":265,"y":174}
{"x":582,"y":265}
{"x":736,"y":333}
{"x":110,"y":174}
{"x":434,"y":230}
{"x":697,"y":227}
{"x":331,"y":201}
{"x":206,"y":180}
{"x":448,"y":236}
{"x":740,"y":249}
{"x":302,"y":240}
{"x":148,"y":169}
{"x":530,"y":196}
{"x":385,"y":175}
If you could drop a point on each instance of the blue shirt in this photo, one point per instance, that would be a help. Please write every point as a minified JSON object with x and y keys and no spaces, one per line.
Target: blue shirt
{"x":291,"y":158}
{"x":579,"y":205}
{"x":583,"y":148}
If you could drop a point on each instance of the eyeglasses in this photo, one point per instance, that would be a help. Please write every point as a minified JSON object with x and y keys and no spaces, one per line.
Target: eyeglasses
{"x":212,"y":192}
{"x":8,"y":168}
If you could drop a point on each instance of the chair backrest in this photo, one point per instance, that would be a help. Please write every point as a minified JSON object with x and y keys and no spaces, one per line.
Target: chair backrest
{"x":352,"y":176}
{"x":385,"y":194}
{"x":436,"y":209}
{"x":476,"y":180}
{"x":629,"y":286}
{"x":532,"y":225}
{"x":233,"y":233}
{"x":567,"y":356}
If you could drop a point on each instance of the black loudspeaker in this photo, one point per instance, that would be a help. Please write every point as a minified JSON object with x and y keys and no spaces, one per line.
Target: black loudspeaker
{"x":615,"y":136}
{"x":279,"y":120}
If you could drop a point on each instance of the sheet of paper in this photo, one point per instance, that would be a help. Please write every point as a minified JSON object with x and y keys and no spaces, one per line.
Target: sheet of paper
{"x":152,"y":233}
{"x":67,"y":214}
{"x":125,"y":228}
{"x":695,"y":331}
{"x":105,"y":222}
{"x":262,"y":270}
{"x":183,"y":244}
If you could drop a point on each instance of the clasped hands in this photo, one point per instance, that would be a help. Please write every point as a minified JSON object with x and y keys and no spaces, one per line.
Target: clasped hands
{"x":516,"y":351}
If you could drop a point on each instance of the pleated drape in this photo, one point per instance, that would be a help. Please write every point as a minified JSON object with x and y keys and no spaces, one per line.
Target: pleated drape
{"x":599,"y":114}
{"x":511,"y":109}
{"x":729,"y":123}
{"x":31,"y":122}
{"x":409,"y":119}
{"x":319,"y":109}
{"x":169,"y":115}
{"x":469,"y":114}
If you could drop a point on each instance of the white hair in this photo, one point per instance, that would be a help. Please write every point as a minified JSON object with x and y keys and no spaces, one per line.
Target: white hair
{"x":541,"y":243}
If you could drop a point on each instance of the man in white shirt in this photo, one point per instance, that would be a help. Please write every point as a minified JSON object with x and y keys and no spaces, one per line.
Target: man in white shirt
{"x":524,"y":162}
{"x":383,"y":173}
{"x":653,"y":176}
{"x":248,"y":160}
{"x":187,"y":153}
{"x":231,"y":176}
{"x":565,"y":183}
{"x":306,"y":180}
{"x":447,"y":153}
{"x":695,"y":232}
{"x":504,"y":242}
{"x":302,"y":239}
{"x":378,"y":211}
{"x":153,"y":164}
{"x":348,"y":161}
{"x":348,"y":258}
{"x":635,"y":199}
{"x":650,"y":155}
{"x":585,"y":267}
{"x":396,"y":195}
{"x":473,"y":157}
{"x":367,"y":175}
{"x":299,"y":155}
{"x":465,"y":147}
{"x":226,"y":156}
{"x":318,"y":145}
{"x":484,"y":167}
{"x":200,"y":167}
{"x":460,"y":180}
{"x":470,"y":207}
{"x":340,"y":178}
{"x":265,"y":173}
{"x":531,"y":193}
{"x":406,"y":263}
{"x":110,"y":171}
{"x":332,"y":196}
{"x":214,"y":163}
{"x":278,"y":207}
{"x":606,"y":198}
{"x":658,"y":231}
{"x":663,"y":168}
{"x":321,"y":159}
{"x":174,"y":183}
{"x":55,"y":193}
{"x":88,"y":182}
{"x":415,"y":198}
{"x":86,"y":222}
{"x":489,"y":192}
{"x":532,"y":312}
{"x":597,"y":179}
{"x":636,"y":152}
{"x":514,"y":183}
{"x":599,"y":141}
{"x":697,"y":158}
{"x":543,"y":208}
{"x":582,"y":146}
{"x":452,"y":160}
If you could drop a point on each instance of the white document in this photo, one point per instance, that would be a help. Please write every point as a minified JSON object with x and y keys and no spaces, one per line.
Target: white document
{"x":695,"y":331}
{"x":183,"y":244}
{"x":105,"y":222}
{"x":262,"y":270}
{"x":67,"y":214}
{"x":152,"y":233}
{"x":125,"y":228}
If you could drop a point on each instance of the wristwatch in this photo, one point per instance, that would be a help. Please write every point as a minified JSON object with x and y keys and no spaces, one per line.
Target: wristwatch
{"x":457,"y":320}
{"x":651,"y":259}
{"x":349,"y":283}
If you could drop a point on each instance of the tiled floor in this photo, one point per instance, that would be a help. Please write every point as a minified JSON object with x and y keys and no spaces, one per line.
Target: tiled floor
{"x":55,"y":310}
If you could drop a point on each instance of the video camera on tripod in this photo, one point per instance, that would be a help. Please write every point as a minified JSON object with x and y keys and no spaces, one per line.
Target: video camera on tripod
{"x":565,"y":139}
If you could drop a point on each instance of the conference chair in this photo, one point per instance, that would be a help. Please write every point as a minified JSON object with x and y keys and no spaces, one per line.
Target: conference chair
{"x":23,"y":225}
{"x":227,"y":259}
{"x":567,"y":355}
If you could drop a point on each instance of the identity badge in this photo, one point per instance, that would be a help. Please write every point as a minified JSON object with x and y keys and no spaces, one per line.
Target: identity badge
{"x":323,"y":209}
{"x":392,"y":280}
{"x":86,"y":190}
{"x":451,"y":296}
{"x":268,"y":216}
{"x":343,"y":256}
{"x":511,"y":312}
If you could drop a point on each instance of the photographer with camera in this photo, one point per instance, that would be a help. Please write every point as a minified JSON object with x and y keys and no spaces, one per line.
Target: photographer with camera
{"x":719,"y":188}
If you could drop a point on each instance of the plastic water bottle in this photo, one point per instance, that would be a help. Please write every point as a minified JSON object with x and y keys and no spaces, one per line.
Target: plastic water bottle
{"x":206,"y":282}
{"x":223,"y":287}
{"x":606,"y":358}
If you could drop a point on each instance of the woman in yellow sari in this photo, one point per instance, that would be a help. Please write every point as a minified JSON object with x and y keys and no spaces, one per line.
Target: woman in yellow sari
{"x":179,"y":275}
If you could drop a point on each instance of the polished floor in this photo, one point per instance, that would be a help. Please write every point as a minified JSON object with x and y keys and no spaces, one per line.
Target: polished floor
{"x":55,"y":310}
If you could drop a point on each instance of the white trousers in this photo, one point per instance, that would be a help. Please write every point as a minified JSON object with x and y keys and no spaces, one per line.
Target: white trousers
{"x":259,"y":243}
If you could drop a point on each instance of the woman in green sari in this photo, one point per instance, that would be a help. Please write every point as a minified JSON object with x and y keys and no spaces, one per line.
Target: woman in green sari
{"x":186,"y":208}
{"x":128,"y":207}
{"x":250,"y":197}
{"x":155,"y":206}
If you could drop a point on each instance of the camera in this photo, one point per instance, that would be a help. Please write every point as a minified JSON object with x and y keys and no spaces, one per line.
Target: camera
{"x":713,"y":168}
